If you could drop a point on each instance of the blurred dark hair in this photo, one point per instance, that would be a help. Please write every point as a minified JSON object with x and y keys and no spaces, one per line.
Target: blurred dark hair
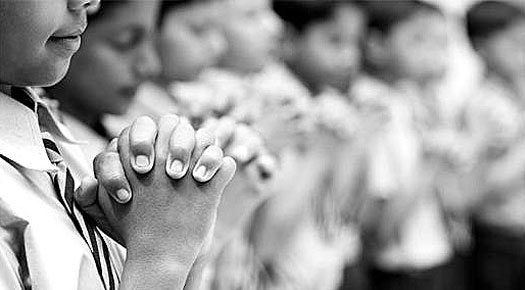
{"x":167,"y":5}
{"x":386,"y":14}
{"x":300,"y":13}
{"x":488,"y":17}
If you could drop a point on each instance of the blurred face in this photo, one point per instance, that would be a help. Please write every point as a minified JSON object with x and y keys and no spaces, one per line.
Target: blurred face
{"x":38,"y":39}
{"x":251,"y":30}
{"x":117,"y":56}
{"x":190,"y":40}
{"x":328,"y":54}
{"x":418,"y":47}
{"x":505,"y":51}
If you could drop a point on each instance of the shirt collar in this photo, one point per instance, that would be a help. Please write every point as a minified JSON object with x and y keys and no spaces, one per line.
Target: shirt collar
{"x":20,"y":128}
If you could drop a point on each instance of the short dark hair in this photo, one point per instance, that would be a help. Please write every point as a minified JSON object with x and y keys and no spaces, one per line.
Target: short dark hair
{"x":300,"y":13}
{"x":386,"y":14}
{"x":488,"y":17}
{"x":167,"y":5}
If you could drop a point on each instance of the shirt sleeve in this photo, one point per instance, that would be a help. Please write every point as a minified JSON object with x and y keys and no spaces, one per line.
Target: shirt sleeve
{"x":10,"y":277}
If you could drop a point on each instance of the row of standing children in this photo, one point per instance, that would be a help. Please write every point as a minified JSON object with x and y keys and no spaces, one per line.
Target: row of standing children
{"x":330,"y":108}
{"x":344,"y":94}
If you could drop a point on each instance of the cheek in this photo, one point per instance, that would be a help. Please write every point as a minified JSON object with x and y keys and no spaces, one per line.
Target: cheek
{"x":104,"y":71}
{"x":181,"y":50}
{"x":413,"y":59}
{"x":182,"y":60}
{"x":510,"y":58}
{"x":245,"y":37}
{"x":23,"y":55}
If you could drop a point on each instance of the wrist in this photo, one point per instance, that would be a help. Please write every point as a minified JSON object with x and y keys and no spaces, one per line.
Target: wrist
{"x":154,"y":270}
{"x":172,"y":254}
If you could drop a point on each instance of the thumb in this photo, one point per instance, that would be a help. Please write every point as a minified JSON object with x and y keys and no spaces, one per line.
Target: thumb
{"x":86,"y":198}
{"x":86,"y":195}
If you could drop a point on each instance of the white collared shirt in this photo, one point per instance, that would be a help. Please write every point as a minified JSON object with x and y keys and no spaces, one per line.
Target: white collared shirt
{"x":39,"y":245}
{"x":397,"y":167}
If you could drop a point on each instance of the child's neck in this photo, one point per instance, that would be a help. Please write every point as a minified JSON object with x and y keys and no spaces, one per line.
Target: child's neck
{"x":69,"y":106}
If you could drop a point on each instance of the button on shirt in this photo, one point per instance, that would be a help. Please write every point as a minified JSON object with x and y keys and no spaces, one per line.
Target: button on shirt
{"x":39,"y":245}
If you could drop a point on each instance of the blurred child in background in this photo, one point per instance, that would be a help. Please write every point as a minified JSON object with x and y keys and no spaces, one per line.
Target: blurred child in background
{"x":407,"y":243}
{"x":116,"y":58}
{"x":119,"y":56}
{"x":495,"y":119}
{"x":188,"y":41}
{"x":321,"y":55}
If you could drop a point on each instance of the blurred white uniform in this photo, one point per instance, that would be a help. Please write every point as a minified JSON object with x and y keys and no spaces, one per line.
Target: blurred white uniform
{"x":398,"y":168}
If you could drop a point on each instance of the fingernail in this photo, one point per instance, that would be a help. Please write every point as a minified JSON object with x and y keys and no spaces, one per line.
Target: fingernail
{"x":123,"y":195}
{"x":142,"y":161}
{"x":200,"y":173}
{"x":176,"y":168}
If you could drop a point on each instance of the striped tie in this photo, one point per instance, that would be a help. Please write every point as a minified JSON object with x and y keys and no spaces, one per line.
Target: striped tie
{"x":64,"y":185}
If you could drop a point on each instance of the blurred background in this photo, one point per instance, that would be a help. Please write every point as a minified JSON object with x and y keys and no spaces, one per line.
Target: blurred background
{"x":380,"y":144}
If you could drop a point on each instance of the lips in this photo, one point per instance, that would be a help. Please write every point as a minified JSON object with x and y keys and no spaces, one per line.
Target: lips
{"x":77,"y":31}
{"x":64,"y":46}
{"x":66,"y":42}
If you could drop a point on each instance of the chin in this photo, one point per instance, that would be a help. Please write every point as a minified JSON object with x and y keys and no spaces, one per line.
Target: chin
{"x":53,"y":74}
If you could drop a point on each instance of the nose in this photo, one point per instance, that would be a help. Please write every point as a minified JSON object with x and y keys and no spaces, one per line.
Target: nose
{"x":147,"y":63}
{"x":78,"y":5}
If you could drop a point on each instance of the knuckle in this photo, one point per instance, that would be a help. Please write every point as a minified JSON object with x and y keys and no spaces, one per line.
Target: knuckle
{"x":186,"y":128}
{"x":177,"y":150}
{"x":146,"y":120}
{"x":205,"y":136}
{"x":113,"y":178}
{"x":214,"y":151}
{"x":100,"y":160}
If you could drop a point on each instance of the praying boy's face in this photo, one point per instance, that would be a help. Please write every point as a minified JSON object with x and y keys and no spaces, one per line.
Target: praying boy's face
{"x":251,"y":29}
{"x":38,"y":39}
{"x":328,"y":53}
{"x":418,"y":47}
{"x":190,"y":40}
{"x":505,"y":51}
{"x":117,"y":56}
